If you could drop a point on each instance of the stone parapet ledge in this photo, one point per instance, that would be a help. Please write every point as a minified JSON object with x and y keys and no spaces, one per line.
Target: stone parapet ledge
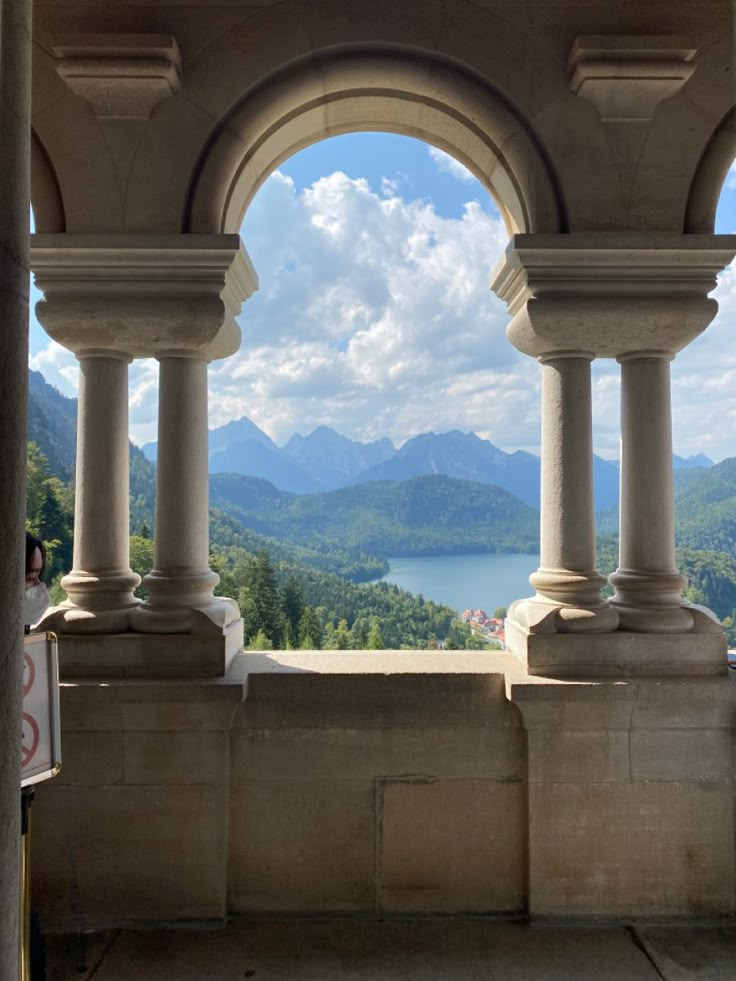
{"x":143,"y":294}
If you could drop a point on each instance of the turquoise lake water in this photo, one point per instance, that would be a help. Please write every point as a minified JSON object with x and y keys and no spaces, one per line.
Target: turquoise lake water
{"x":461,"y":581}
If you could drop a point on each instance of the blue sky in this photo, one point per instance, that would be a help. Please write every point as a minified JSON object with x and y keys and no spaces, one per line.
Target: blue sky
{"x":374,"y":314}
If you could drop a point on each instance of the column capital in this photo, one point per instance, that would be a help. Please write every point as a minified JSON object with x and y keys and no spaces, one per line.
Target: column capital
{"x":141,"y":294}
{"x":609,"y":292}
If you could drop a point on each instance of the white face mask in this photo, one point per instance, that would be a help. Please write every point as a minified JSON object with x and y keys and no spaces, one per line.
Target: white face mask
{"x":35,"y":603}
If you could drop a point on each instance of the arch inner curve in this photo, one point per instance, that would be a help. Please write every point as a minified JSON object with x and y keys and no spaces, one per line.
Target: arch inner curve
{"x":399,"y":92}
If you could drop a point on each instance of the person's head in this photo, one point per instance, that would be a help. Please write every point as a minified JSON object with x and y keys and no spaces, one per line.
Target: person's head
{"x":35,"y":560}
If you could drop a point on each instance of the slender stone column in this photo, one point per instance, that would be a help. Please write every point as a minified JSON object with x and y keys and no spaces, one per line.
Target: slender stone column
{"x":181,"y":575}
{"x":175,"y":298}
{"x":15,"y":127}
{"x":566,"y":578}
{"x":101,"y":583}
{"x":648,"y":585}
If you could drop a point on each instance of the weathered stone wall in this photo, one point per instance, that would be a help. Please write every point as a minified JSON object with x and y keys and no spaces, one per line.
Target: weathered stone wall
{"x":387,"y":783}
{"x":390,"y":793}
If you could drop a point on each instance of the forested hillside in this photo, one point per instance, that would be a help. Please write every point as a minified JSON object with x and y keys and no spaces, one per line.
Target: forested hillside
{"x":52,"y":425}
{"x":432,"y":515}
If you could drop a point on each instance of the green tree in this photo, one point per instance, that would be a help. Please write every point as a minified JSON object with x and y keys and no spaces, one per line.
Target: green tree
{"x":337,"y":638}
{"x":500,"y":613}
{"x":259,"y":601}
{"x":49,"y":516}
{"x":141,"y":559}
{"x":292,"y":607}
{"x":261,"y":642}
{"x":375,"y":640}
{"x":310,"y":630}
{"x":359,"y":633}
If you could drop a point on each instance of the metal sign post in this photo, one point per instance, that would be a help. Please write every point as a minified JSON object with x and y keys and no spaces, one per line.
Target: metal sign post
{"x":40,"y":758}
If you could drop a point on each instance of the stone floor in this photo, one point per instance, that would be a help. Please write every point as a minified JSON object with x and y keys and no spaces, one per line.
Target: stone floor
{"x":440,"y":950}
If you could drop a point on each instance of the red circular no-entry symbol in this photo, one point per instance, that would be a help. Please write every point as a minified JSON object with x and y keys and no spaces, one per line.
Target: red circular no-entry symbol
{"x":30,"y":738}
{"x":29,"y":673}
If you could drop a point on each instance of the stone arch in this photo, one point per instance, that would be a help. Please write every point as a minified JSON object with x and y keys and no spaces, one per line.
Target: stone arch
{"x":396,"y":91}
{"x":710,"y":175}
{"x":48,"y":205}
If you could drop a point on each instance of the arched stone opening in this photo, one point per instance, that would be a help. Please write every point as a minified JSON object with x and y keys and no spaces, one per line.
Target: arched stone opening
{"x":710,"y":176}
{"x":46,"y":197}
{"x":396,"y":92}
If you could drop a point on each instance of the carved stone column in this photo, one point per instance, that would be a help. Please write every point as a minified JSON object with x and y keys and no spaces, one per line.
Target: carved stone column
{"x":100,"y":586}
{"x":109,"y":298}
{"x":181,"y":583}
{"x":568,"y":587}
{"x":566,"y":582}
{"x":639,"y":299}
{"x":648,"y":584}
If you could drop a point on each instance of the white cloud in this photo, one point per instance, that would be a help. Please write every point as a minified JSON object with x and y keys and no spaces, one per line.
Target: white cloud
{"x":375,"y":317}
{"x":58,"y":366}
{"x":449,"y":165}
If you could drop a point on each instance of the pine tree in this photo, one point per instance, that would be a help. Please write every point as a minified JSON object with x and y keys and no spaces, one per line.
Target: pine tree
{"x":49,"y":516}
{"x":375,"y":641}
{"x":292,"y":607}
{"x":310,"y":630}
{"x":359,"y":633}
{"x":340,"y":640}
{"x":261,"y":642}
{"x":259,"y":601}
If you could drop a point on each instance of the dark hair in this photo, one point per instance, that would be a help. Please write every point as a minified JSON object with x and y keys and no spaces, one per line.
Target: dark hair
{"x":33,"y":543}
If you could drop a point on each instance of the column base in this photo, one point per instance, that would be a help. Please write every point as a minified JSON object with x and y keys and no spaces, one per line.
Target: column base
{"x":97,"y":604}
{"x":71,"y":619}
{"x":651,"y":602}
{"x":538,"y":614}
{"x":620,"y":653}
{"x":210,"y":618}
{"x":137,"y":655}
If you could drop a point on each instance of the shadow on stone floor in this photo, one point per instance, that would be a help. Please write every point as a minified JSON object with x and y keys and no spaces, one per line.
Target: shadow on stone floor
{"x":439,"y":950}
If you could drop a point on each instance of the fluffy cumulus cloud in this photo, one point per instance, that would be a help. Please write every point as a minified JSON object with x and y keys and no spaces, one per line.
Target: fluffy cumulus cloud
{"x":704,"y":383}
{"x":374,"y":316}
{"x":449,"y":165}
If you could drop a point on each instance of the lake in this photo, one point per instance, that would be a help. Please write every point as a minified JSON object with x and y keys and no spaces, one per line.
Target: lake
{"x":462,"y":581}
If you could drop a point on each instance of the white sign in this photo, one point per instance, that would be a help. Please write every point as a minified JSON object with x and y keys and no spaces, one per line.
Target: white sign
{"x":41,"y":737}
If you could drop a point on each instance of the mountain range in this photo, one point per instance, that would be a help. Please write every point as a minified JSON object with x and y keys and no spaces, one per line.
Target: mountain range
{"x":325,"y":460}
